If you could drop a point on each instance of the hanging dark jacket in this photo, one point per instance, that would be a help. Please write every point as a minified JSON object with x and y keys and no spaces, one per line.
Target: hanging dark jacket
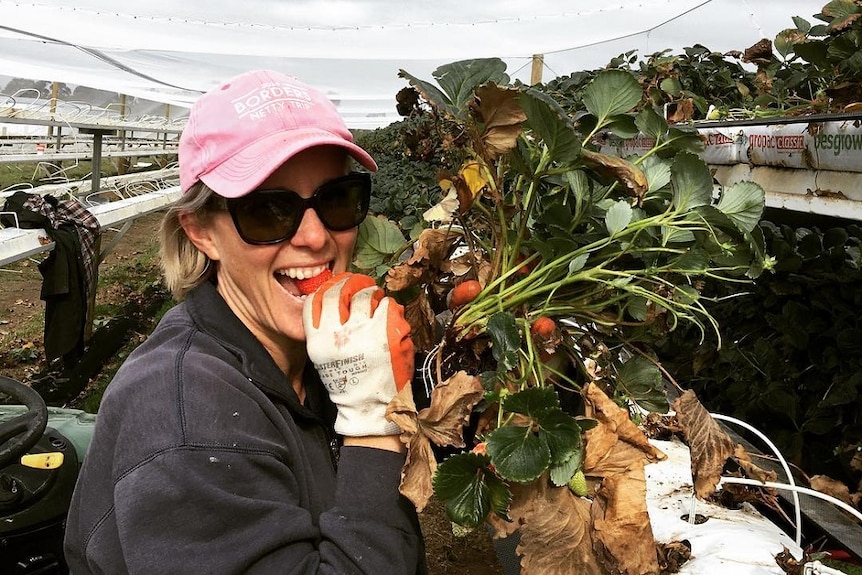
{"x":68,"y":273}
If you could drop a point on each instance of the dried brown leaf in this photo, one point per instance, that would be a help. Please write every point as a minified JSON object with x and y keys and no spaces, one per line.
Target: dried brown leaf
{"x":431,"y":249}
{"x":683,"y":111}
{"x":833,"y":487}
{"x":672,"y":556}
{"x":750,"y":468}
{"x":759,"y":53}
{"x":433,"y":246}
{"x":626,"y":173}
{"x":843,"y":14}
{"x":403,"y":276}
{"x":420,"y":465}
{"x":502,"y":118}
{"x":622,"y":532}
{"x":554,"y":530}
{"x":442,"y":422}
{"x":616,"y":441}
{"x":451,"y":404}
{"x":710,"y":446}
{"x":420,"y":316}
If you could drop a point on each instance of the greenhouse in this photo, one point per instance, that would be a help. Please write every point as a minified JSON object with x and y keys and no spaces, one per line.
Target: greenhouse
{"x":625,"y":239}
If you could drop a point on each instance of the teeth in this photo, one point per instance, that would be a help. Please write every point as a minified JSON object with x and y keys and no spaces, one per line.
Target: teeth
{"x":302,"y":273}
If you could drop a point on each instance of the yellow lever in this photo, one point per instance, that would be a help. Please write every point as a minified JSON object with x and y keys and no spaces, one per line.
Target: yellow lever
{"x":43,"y":460}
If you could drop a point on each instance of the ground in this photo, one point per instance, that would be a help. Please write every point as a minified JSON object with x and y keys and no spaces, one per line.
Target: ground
{"x":21,"y":323}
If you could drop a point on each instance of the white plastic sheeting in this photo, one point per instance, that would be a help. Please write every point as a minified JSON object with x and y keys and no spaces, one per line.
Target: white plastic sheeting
{"x":741,"y":542}
{"x":171,"y":51}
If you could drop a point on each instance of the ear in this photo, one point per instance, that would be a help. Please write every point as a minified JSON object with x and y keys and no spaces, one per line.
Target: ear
{"x":200,"y":234}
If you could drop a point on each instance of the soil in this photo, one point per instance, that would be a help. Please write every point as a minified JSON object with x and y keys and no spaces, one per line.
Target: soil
{"x":21,"y":309}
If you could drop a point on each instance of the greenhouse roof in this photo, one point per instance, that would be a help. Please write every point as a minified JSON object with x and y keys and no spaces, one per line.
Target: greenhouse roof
{"x":170,"y":51}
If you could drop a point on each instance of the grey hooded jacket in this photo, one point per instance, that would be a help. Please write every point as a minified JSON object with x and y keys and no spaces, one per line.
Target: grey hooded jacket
{"x":204,"y":461}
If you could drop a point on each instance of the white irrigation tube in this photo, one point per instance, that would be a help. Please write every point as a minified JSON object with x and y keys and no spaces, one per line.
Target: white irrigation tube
{"x":818,"y":568}
{"x":835,"y":501}
{"x":798,"y":510}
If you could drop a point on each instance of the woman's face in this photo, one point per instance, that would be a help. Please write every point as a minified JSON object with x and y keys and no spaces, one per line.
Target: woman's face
{"x":255,"y":280}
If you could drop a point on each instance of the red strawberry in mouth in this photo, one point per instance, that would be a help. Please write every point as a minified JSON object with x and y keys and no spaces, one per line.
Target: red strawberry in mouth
{"x":309,"y":285}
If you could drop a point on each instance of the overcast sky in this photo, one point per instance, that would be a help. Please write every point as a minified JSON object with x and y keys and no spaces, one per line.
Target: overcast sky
{"x":171,"y":50}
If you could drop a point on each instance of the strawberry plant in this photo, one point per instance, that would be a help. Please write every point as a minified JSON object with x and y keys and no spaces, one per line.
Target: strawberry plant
{"x":576,"y":261}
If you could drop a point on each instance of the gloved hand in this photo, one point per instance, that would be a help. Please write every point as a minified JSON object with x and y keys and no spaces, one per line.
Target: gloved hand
{"x":359,"y":343}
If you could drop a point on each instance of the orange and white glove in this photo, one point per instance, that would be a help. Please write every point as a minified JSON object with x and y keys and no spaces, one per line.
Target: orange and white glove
{"x":359,"y":343}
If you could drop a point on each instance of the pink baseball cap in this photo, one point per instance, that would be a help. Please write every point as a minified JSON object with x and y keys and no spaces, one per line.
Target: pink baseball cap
{"x":239,"y":133}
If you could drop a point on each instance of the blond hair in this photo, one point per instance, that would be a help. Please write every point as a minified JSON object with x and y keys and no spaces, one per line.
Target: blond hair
{"x":184,"y":266}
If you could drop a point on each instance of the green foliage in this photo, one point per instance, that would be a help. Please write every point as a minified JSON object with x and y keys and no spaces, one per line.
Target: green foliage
{"x":808,"y":68}
{"x":608,"y":248}
{"x":635,"y":252}
{"x":26,"y":353}
{"x":404,"y":185}
{"x":791,"y":362}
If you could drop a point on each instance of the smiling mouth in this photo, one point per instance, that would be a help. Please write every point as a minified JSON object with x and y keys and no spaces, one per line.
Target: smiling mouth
{"x":288,"y":277}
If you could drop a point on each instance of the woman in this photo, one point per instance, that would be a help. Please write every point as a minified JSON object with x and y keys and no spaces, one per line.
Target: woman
{"x":214,"y":449}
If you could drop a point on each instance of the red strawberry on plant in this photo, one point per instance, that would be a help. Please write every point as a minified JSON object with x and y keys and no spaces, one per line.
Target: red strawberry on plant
{"x":543,"y":327}
{"x":309,"y":285}
{"x":482,"y":449}
{"x":464,"y":292}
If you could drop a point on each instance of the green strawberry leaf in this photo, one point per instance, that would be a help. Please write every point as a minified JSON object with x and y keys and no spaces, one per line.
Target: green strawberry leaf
{"x":518,"y":453}
{"x":471,"y":490}
{"x":506,"y":339}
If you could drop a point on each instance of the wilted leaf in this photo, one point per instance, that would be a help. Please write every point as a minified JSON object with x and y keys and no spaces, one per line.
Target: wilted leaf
{"x":445,"y":209}
{"x":553,"y":526}
{"x":741,"y":457}
{"x":710,"y":446}
{"x":434,"y":246}
{"x":616,"y":442}
{"x":404,"y":276}
{"x":451,"y":404}
{"x":441,"y":422}
{"x":759,"y":53}
{"x":458,"y":80}
{"x":829,"y":486}
{"x":421,"y":464}
{"x":843,"y":14}
{"x":621,"y":526}
{"x":469,"y":183}
{"x":672,"y":556}
{"x":623,"y":171}
{"x":682,"y":111}
{"x":786,"y":39}
{"x":502,"y":118}
{"x":420,"y":316}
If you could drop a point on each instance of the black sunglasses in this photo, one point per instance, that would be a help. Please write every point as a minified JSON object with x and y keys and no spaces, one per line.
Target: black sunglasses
{"x":272,"y":216}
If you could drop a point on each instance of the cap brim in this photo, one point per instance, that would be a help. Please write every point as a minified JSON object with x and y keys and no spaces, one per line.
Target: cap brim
{"x":244,"y":172}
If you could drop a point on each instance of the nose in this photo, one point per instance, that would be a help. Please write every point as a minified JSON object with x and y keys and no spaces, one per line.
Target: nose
{"x":312,"y":233}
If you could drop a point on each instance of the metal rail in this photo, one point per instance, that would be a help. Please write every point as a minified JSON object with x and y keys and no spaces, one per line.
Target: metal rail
{"x":17,"y":244}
